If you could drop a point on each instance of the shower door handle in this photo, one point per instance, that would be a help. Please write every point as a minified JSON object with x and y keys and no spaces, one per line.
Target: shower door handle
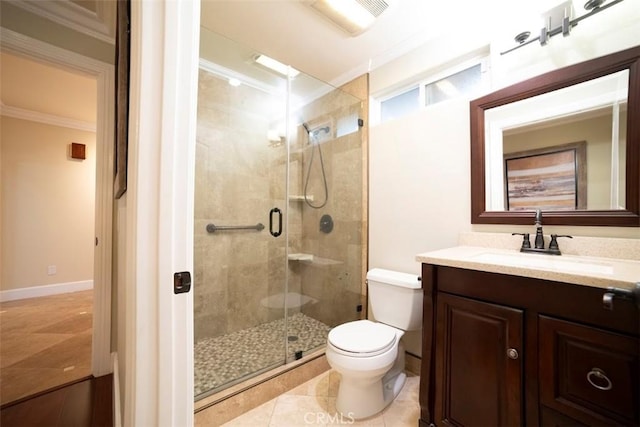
{"x":279,"y":212}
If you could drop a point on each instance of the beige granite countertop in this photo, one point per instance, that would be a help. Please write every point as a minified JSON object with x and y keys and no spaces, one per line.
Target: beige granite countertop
{"x":600,"y":272}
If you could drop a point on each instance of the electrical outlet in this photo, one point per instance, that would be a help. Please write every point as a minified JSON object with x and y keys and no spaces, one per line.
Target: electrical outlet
{"x":51,"y":270}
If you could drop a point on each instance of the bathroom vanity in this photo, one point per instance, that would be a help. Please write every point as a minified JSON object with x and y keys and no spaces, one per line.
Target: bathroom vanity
{"x":524,"y":339}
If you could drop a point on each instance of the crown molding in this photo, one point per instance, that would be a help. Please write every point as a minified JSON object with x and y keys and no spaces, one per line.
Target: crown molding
{"x":24,"y":45}
{"x":48,"y":119}
{"x":99,"y":24}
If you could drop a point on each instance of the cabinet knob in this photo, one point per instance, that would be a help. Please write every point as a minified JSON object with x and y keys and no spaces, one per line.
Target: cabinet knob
{"x":601,"y":378}
{"x":512,"y":353}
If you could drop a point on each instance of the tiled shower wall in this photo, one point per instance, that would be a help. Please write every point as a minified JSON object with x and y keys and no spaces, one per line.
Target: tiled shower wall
{"x":240,"y":176}
{"x":335,"y":277}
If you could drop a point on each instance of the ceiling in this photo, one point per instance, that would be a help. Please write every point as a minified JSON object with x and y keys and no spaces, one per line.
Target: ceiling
{"x":35,"y":90}
{"x":296,"y":34}
{"x":288,"y":30}
{"x":35,"y":87}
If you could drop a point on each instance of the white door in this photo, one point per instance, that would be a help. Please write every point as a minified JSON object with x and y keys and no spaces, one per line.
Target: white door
{"x":158,"y":359}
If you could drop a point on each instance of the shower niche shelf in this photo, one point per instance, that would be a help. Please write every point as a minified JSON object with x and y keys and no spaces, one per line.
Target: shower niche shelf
{"x":301,"y":257}
{"x":313,"y":260}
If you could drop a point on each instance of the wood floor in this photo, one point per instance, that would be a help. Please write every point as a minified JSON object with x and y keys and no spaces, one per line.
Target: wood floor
{"x":87,"y":403}
{"x":45,"y":364}
{"x":44,"y":342}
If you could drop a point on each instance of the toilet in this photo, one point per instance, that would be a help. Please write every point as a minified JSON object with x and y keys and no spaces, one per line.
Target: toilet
{"x":368,"y":354}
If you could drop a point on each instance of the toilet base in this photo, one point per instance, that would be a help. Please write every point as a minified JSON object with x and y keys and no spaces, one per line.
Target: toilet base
{"x":363,"y":397}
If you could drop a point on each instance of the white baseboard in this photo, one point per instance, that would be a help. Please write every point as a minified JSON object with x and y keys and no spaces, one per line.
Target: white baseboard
{"x":45,"y":290}
{"x":117,"y":422}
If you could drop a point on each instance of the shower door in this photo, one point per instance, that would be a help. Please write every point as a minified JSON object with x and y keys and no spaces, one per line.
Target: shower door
{"x":239,"y":241}
{"x":279,"y":235}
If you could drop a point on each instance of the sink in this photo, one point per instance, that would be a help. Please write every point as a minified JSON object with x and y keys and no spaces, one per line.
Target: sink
{"x":545,"y":262}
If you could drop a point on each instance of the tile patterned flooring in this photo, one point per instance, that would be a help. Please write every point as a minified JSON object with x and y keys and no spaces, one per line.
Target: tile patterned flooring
{"x":44,"y":342}
{"x":222,"y":360}
{"x":313,"y":404}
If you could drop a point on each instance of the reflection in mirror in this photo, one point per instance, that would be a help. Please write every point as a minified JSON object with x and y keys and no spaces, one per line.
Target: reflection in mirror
{"x":564,"y":142}
{"x":563,"y":150}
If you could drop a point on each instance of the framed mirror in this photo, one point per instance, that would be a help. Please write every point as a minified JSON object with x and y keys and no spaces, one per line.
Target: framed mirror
{"x":566,"y":142}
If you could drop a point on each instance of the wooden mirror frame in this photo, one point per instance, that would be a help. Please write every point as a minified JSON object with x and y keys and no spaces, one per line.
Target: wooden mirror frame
{"x":630,"y":216}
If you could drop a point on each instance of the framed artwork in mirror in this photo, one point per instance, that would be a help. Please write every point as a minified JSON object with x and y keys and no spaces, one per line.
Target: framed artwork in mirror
{"x":551,"y":178}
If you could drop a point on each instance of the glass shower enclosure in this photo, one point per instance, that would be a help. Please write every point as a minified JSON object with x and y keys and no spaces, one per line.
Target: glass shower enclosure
{"x":279,"y":237}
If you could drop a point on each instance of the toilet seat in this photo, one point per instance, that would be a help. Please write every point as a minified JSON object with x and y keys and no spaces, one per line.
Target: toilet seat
{"x":362,"y":338}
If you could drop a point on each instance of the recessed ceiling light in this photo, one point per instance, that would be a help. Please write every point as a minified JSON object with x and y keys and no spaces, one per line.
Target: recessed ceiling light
{"x":234,"y":82}
{"x":276,"y":66}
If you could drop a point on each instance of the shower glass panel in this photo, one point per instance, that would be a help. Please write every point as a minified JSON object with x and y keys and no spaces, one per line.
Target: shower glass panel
{"x":278,"y":233}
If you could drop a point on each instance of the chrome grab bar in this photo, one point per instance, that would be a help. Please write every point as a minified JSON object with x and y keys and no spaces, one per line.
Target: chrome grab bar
{"x":212,"y":228}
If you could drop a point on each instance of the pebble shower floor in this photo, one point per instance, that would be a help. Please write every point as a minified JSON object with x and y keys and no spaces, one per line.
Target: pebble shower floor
{"x":230,"y":357}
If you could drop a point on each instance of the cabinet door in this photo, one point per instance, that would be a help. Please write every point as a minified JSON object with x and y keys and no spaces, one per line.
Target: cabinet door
{"x":589,"y":374}
{"x":478,"y":363}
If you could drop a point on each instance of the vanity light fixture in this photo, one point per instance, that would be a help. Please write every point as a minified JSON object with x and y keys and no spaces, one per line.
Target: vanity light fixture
{"x":276,"y":66}
{"x":353,"y":16}
{"x":591,"y":6}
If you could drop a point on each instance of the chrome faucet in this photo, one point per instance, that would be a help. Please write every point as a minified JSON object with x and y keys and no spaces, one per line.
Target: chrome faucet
{"x":538,"y":246}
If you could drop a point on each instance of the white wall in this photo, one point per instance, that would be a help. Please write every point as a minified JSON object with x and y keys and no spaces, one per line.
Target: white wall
{"x":48,"y":205}
{"x":612,"y":30}
{"x":419,"y":197}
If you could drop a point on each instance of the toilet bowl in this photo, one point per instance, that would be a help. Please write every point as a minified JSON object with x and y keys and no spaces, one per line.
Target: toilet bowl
{"x":371,"y":369}
{"x":369,"y":354}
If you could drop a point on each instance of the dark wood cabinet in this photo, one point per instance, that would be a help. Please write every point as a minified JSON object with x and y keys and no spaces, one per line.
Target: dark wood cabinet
{"x":503,"y":350}
{"x":478,"y":354}
{"x":588,"y":373}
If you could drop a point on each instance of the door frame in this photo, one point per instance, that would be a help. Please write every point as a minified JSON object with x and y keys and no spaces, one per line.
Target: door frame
{"x":20,"y":44}
{"x":159,"y":204}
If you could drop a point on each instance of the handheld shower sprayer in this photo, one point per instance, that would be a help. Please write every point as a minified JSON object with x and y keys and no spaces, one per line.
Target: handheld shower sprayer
{"x":312,"y":139}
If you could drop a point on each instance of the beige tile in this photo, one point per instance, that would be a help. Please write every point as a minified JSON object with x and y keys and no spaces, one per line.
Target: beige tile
{"x":318,"y":386}
{"x":238,"y":404}
{"x":258,"y":417}
{"x":309,"y":404}
{"x":296,"y":411}
{"x":334,"y":383}
{"x":205,"y":419}
{"x":411,"y":390}
{"x":334,"y":418}
{"x":402,"y":413}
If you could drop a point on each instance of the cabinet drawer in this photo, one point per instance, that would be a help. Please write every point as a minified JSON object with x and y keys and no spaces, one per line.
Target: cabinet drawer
{"x":587,"y":373}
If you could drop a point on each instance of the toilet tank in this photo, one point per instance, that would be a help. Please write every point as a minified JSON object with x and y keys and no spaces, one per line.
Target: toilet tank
{"x":395,"y":298}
